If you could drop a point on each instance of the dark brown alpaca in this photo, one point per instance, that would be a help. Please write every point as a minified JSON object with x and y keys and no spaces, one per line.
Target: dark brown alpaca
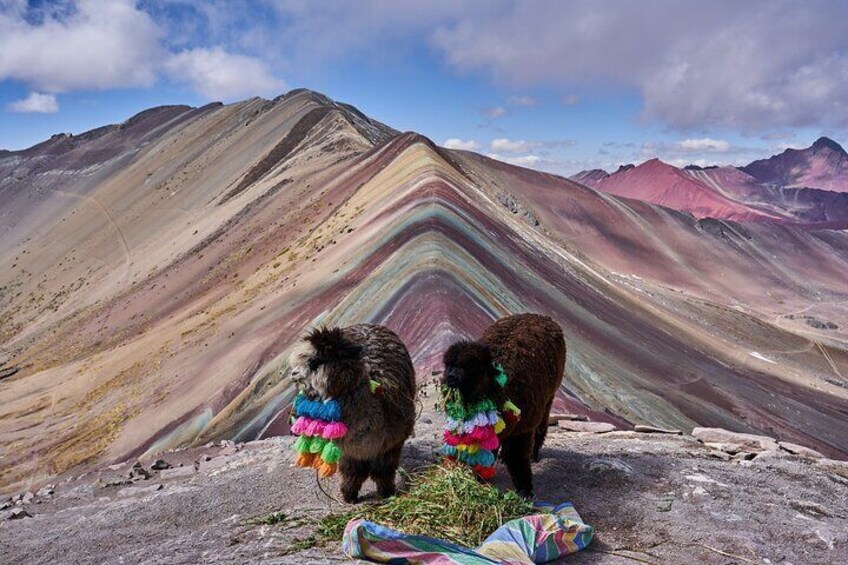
{"x":531,"y":350}
{"x":339,"y":363}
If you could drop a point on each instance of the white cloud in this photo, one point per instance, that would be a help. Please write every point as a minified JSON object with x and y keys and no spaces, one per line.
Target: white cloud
{"x":709,"y":64}
{"x":106,"y":44}
{"x":505,"y":145}
{"x":495,"y":112}
{"x":456,"y":143}
{"x":217,"y":74}
{"x":99,"y":45}
{"x":525,"y":101}
{"x":520,"y":160}
{"x":705,"y":144}
{"x":36,"y":102}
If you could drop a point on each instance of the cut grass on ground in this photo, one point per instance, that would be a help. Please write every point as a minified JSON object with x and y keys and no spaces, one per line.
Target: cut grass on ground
{"x":444,"y":501}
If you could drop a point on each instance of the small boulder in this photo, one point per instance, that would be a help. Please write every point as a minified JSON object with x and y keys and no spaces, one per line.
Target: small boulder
{"x":139,"y":472}
{"x":18,"y":514}
{"x":745,"y":442}
{"x":592,"y":427}
{"x":796,"y":449}
{"x":27,"y":498}
{"x":655,"y":430}
{"x":553,"y":419}
{"x":46,"y":491}
{"x":160,"y":464}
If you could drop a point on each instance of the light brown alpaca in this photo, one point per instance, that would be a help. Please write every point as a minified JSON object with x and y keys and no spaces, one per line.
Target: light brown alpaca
{"x":339,"y":363}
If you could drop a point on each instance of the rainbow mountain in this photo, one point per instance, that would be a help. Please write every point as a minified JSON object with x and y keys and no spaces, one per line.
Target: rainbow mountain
{"x":154,"y":275}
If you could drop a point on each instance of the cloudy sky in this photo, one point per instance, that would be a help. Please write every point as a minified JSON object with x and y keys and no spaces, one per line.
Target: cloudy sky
{"x":558,"y":85}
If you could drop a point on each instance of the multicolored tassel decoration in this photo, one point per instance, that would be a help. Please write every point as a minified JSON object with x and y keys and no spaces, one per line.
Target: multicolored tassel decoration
{"x":471,"y":432}
{"x":318,"y":424}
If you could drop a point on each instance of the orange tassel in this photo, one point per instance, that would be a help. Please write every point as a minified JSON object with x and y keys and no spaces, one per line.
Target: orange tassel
{"x":305,"y":459}
{"x":327,"y":470}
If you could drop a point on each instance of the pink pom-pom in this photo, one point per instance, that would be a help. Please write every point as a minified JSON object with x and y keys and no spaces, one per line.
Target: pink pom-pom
{"x":334,"y":430}
{"x":315,"y":428}
{"x":490,"y":443}
{"x":299,"y":427}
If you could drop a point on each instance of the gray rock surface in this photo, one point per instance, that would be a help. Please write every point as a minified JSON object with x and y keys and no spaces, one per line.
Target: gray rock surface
{"x":653,"y":498}
{"x":177,"y":473}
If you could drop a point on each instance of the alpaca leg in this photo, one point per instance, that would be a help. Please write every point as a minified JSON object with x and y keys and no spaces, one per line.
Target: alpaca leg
{"x":354,"y":473}
{"x":516,"y":454}
{"x":383,"y":471}
{"x":542,"y":431}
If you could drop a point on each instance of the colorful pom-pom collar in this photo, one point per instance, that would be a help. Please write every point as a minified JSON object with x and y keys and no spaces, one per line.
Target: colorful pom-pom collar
{"x":471,"y":431}
{"x":318,"y":423}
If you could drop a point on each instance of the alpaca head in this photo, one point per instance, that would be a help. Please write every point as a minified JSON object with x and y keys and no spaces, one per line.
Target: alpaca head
{"x":299,"y":364}
{"x":469,"y":368}
{"x":328,"y":365}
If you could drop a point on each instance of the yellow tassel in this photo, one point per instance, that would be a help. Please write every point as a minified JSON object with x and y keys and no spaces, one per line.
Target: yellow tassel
{"x":473,"y":448}
{"x":499,"y":426}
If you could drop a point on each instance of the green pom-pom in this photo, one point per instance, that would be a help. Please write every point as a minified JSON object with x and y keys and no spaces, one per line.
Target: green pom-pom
{"x":331,"y":452}
{"x":302,"y":444}
{"x":317,"y":445}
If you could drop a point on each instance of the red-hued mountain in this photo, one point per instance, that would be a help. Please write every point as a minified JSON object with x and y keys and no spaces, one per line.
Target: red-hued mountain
{"x":808,"y":187}
{"x":663,"y":184}
{"x":823,"y":165}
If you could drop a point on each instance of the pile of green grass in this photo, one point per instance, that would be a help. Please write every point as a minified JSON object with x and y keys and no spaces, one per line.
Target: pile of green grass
{"x":445,"y":501}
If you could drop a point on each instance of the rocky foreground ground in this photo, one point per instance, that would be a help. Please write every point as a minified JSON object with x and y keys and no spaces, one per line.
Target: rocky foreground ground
{"x":652,"y":497}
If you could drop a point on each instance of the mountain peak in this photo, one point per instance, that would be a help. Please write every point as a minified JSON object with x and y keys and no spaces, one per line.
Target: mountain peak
{"x":827,"y":143}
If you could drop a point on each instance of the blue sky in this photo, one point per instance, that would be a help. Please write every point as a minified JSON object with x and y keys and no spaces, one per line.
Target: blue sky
{"x":558,"y":86}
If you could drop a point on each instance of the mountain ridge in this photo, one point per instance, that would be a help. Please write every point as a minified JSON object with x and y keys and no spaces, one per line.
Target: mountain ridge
{"x":166,"y":305}
{"x":807,"y":187}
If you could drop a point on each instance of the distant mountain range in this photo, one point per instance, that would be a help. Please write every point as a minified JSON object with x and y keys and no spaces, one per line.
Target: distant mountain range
{"x":805,"y":187}
{"x":155,"y":274}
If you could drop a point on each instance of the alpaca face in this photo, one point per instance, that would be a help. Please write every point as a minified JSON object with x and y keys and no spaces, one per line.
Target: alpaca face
{"x":333,"y":364}
{"x":468,"y":367}
{"x":313,"y":383}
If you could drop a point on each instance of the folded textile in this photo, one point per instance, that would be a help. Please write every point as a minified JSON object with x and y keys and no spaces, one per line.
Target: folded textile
{"x":538,"y":538}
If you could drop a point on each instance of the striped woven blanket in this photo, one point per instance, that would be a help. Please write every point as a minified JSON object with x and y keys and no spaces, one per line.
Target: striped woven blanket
{"x":538,"y":538}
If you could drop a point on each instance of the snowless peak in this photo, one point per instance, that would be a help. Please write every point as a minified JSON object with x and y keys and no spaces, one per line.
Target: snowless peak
{"x":827,"y":143}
